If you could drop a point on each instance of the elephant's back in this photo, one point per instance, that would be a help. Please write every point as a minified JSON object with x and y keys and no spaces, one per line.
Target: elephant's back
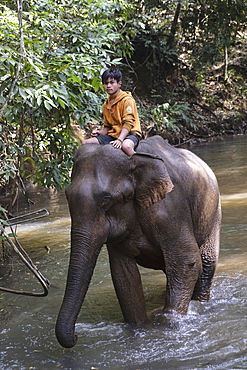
{"x":179,"y":162}
{"x":158,"y":146}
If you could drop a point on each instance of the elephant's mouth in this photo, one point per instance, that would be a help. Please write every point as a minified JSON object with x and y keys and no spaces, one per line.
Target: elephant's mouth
{"x":117,"y":232}
{"x":115,"y":239}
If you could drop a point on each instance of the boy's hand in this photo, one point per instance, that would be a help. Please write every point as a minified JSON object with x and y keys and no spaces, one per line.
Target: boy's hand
{"x":95,"y":132}
{"x":116,"y":143}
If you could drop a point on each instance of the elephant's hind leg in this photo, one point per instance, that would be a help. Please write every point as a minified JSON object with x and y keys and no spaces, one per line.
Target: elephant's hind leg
{"x":209,"y":255}
{"x":203,"y":285}
{"x":182,"y":274}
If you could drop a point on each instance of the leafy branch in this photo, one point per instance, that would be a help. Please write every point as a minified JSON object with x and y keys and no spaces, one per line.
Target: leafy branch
{"x":22,"y":55}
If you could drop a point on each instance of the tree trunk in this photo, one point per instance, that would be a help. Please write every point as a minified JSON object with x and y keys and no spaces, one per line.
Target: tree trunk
{"x":171,"y":38}
{"x":226,"y":63}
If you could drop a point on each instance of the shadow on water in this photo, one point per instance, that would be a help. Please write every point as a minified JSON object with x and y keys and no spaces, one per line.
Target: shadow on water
{"x":212,"y":335}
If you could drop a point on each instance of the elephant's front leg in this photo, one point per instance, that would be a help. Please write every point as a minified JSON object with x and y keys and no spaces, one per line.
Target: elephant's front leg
{"x":128,"y":286}
{"x":183,"y":268}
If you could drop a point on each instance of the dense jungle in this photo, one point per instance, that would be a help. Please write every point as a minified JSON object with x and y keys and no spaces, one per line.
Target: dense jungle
{"x":183,"y":61}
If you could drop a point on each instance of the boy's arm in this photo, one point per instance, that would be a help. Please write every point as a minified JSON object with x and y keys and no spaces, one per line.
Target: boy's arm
{"x":118,"y":143}
{"x":130,"y":118}
{"x":123,"y":134}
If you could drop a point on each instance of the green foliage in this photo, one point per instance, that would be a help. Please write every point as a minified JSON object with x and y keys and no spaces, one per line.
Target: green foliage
{"x":3,"y":223}
{"x":52,"y":53}
{"x":208,"y":27}
{"x":51,"y":57}
{"x":153,"y":40}
{"x":3,"y":212}
{"x":175,"y":118}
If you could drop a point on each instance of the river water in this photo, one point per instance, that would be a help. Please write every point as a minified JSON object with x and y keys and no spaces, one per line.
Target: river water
{"x":213,"y":335}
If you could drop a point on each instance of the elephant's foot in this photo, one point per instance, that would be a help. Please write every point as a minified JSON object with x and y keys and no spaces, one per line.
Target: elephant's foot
{"x":201,"y":293}
{"x":199,"y":296}
{"x":156,"y":313}
{"x":167,"y":319}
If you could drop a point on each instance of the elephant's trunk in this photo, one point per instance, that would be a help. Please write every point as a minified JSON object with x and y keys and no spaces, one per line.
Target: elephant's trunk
{"x":83,"y":258}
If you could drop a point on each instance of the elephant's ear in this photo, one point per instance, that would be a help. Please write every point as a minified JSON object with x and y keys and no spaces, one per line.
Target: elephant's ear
{"x":152,"y":181}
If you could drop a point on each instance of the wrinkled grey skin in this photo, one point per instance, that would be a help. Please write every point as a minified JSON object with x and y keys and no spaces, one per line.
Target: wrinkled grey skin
{"x":159,"y":209}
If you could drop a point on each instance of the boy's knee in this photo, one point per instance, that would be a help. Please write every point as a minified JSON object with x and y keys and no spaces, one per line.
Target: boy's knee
{"x":128,"y":147}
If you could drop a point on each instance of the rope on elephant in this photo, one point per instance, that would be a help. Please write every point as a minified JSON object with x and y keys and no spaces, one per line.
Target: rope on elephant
{"x":16,"y":246}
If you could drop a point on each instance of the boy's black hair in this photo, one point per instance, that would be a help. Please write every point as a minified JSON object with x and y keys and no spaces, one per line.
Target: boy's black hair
{"x":111,"y":73}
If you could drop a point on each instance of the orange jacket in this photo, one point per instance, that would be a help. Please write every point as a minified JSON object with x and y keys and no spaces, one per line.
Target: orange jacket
{"x":122,"y":113}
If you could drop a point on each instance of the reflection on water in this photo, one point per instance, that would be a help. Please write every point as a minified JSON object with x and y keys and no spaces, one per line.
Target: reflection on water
{"x":211,"y":336}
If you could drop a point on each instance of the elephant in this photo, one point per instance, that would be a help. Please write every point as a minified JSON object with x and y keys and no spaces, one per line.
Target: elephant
{"x":159,"y":208}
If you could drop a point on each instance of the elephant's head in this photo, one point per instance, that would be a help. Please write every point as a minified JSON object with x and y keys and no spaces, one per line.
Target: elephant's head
{"x":107,"y":190}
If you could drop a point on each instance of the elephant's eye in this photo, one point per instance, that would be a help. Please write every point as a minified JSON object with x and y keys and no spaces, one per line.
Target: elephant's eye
{"x":107,"y":202}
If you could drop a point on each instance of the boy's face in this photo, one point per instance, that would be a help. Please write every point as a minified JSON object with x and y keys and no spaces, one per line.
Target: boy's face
{"x":111,"y":86}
